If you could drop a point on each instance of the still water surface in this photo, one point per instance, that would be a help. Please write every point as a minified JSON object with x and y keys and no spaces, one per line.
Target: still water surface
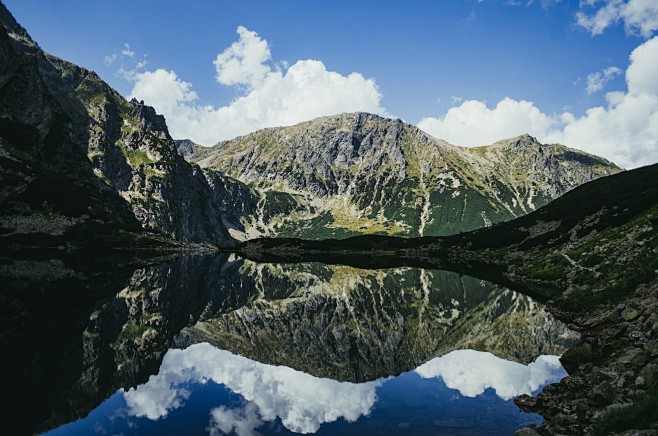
{"x":203,"y":389}
{"x":223,"y":345}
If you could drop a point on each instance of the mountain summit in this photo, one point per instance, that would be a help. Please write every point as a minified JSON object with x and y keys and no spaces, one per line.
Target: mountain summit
{"x":360,"y":173}
{"x":80,"y":162}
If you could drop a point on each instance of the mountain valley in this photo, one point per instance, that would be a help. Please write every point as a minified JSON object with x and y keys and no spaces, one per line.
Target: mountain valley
{"x":350,"y":247}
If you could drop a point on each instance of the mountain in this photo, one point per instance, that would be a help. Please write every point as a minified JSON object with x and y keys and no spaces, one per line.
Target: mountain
{"x":359,"y":173}
{"x":592,"y":255}
{"x":84,"y":166}
{"x":79,"y":162}
{"x":82,"y":163}
{"x":593,"y":245}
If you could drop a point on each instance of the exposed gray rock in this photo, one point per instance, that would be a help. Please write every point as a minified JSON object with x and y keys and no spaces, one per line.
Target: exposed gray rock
{"x":372,"y":174}
{"x":59,"y":121}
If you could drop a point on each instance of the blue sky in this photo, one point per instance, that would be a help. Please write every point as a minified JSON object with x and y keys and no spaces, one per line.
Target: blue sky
{"x":467,"y":71}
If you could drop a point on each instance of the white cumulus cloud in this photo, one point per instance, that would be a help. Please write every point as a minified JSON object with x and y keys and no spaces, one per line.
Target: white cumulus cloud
{"x":303,"y":402}
{"x":241,"y":422}
{"x":624,"y":131}
{"x":272,"y":95}
{"x":245,"y":61}
{"x":598,"y":79}
{"x":473,"y":124}
{"x":637,"y":16}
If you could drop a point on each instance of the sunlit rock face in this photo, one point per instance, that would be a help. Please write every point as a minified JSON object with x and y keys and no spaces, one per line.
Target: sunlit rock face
{"x":360,"y":173}
{"x":81,"y":161}
{"x":302,"y":402}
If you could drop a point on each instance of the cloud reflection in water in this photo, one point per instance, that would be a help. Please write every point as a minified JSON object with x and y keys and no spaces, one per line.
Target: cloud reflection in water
{"x":303,"y":402}
{"x":471,"y":372}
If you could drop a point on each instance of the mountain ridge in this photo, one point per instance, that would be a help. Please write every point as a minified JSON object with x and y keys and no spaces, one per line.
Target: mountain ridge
{"x":335,"y":176}
{"x":62,"y":122}
{"x":355,"y":173}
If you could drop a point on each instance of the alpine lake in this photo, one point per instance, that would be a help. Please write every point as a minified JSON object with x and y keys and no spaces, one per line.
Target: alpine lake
{"x":219,"y":344}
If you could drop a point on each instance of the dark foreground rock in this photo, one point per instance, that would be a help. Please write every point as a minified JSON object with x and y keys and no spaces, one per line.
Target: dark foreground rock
{"x":613,"y":373}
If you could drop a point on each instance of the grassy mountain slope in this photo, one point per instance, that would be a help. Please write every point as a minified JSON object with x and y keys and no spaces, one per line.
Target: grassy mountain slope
{"x":593,"y":244}
{"x":358,"y":173}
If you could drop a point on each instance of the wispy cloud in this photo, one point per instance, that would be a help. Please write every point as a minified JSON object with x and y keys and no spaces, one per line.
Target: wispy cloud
{"x":128,"y":64}
{"x":638,"y":16}
{"x":545,"y":4}
{"x":598,"y":79}
{"x":127,"y":51}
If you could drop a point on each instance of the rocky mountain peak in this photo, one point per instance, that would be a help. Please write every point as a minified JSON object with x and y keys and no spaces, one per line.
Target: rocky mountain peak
{"x":62,"y":122}
{"x":519,"y":142}
{"x":14,"y":29}
{"x":365,"y":173}
{"x":147,"y":117}
{"x":187,"y":148}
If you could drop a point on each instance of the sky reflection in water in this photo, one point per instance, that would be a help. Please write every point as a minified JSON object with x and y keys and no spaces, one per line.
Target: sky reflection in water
{"x":203,"y":389}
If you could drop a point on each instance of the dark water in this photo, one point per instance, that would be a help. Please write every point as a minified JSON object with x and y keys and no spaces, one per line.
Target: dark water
{"x":223,"y":345}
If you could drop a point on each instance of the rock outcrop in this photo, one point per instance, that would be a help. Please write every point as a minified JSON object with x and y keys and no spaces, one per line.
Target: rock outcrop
{"x":613,"y":373}
{"x":358,"y":173}
{"x":78,"y":160}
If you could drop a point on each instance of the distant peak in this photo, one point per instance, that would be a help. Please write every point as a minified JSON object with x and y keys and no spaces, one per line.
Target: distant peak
{"x":523,"y":140}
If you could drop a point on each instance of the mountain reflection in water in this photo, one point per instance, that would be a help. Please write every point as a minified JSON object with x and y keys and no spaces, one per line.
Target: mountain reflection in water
{"x":240,"y":346}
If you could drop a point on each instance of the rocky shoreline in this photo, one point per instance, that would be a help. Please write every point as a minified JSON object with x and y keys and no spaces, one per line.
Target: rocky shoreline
{"x":613,"y":373}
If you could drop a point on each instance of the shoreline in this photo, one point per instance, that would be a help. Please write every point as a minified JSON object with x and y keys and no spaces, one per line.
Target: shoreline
{"x":613,"y":373}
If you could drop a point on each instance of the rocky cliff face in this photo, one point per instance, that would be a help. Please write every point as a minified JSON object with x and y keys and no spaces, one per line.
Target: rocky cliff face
{"x":360,"y":173}
{"x":113,"y":161}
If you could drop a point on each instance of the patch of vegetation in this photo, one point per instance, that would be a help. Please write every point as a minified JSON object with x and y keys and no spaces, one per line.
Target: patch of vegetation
{"x":136,"y":157}
{"x":94,"y":155}
{"x":151,"y":173}
{"x":639,"y":415}
{"x":131,"y":331}
{"x":90,"y":96}
{"x":98,"y":173}
{"x":549,"y":268}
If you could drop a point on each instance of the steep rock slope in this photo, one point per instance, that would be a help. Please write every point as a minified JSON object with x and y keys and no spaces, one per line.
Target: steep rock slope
{"x":113,"y":161}
{"x":359,"y":173}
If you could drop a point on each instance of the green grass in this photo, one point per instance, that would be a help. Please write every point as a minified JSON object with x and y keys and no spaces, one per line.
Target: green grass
{"x":637,"y":416}
{"x":136,"y":157}
{"x":90,"y":97}
{"x":549,"y":268}
{"x":151,"y":173}
{"x":131,"y":331}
